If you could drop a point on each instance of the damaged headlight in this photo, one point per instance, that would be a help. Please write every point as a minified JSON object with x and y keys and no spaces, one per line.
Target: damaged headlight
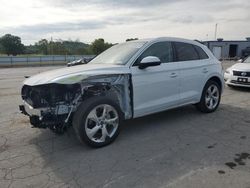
{"x":69,"y":79}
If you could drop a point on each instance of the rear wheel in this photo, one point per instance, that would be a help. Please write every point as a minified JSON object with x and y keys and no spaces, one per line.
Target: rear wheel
{"x":97,"y":121}
{"x":210,"y":98}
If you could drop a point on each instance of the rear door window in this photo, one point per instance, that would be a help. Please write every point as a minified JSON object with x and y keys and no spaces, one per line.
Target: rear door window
{"x":185,"y":52}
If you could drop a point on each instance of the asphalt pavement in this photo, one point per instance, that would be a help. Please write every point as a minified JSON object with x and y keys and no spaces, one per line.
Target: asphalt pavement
{"x":176,"y":148}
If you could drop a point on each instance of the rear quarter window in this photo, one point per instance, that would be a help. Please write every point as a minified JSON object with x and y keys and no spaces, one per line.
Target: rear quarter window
{"x":201,"y":52}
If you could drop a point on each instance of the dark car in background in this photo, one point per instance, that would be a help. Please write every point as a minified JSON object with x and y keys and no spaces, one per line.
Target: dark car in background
{"x":79,"y":62}
{"x":246,"y":53}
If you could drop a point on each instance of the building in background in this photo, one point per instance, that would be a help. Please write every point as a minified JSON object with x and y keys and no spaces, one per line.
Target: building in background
{"x":229,"y":49}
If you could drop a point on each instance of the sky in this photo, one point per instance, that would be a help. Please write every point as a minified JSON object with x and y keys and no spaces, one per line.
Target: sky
{"x":117,"y":20}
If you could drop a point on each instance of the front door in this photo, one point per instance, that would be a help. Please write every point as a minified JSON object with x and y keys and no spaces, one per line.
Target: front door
{"x":156,"y":88}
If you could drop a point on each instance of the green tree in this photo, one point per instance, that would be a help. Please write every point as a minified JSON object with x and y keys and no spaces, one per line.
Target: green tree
{"x":43,"y":46}
{"x":11,"y":44}
{"x":57,"y":48}
{"x":60,"y":47}
{"x":99,"y":45}
{"x":32,"y":49}
{"x":75,"y":47}
{"x":1,"y":48}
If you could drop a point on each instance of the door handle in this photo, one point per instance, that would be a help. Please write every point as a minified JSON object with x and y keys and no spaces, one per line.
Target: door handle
{"x":205,"y":70}
{"x":173,"y":75}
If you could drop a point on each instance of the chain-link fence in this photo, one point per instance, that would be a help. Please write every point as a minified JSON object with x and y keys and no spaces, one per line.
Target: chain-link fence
{"x":7,"y":61}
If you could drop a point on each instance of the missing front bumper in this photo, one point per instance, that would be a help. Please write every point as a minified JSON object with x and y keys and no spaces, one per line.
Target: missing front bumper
{"x":28,"y":110}
{"x":44,"y":119}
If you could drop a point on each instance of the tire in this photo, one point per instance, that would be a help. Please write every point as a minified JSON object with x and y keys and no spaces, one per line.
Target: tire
{"x":210,"y":98}
{"x":95,"y":127}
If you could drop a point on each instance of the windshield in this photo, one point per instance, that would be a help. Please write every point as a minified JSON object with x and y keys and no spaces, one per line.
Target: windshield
{"x":247,"y":60}
{"x":118,"y":54}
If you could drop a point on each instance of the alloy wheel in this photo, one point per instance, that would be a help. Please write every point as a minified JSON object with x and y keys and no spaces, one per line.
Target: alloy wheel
{"x":212,"y":97}
{"x":101,"y":123}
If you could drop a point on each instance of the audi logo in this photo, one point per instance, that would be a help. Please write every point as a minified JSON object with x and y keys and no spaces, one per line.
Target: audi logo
{"x":243,"y":74}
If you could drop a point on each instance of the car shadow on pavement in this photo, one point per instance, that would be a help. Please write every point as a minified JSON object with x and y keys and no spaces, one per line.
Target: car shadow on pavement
{"x":147,"y":149}
{"x":243,"y":89}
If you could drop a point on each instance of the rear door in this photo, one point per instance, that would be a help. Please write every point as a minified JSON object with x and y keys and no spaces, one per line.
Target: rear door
{"x":193,"y":63}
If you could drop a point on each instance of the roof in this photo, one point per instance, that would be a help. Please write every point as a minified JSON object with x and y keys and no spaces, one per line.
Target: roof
{"x":151,"y":40}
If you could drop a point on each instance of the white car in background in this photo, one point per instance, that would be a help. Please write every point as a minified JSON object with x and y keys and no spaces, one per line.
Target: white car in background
{"x":128,"y":80}
{"x":238,"y":74}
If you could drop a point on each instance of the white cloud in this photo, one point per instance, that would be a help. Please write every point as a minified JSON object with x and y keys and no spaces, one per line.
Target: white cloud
{"x":116,"y":20}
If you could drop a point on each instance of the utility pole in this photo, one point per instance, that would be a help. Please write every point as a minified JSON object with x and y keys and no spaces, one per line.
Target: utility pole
{"x":215,"y":32}
{"x":51,"y":46}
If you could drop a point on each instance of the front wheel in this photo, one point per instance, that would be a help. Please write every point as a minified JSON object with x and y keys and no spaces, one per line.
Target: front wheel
{"x":97,"y":121}
{"x":210,"y":98}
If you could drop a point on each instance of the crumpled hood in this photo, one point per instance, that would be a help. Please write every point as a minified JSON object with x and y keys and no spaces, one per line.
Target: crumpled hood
{"x":241,"y":67}
{"x":73,"y":74}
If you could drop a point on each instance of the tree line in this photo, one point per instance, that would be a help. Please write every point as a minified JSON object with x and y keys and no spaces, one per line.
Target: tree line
{"x":12,"y":45}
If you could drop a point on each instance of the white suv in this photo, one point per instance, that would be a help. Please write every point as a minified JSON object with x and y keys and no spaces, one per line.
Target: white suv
{"x":129,"y":80}
{"x":238,"y":75}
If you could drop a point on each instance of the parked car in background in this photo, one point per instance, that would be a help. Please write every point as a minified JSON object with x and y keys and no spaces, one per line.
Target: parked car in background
{"x":128,"y":80}
{"x":246,"y":52}
{"x":238,"y":74}
{"x":79,"y":62}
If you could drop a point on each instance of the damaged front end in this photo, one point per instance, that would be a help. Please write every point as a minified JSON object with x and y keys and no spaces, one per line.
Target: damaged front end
{"x":53,"y":105}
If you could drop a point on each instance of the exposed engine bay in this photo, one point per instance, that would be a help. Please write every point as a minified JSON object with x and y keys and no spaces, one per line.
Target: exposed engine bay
{"x":53,"y":105}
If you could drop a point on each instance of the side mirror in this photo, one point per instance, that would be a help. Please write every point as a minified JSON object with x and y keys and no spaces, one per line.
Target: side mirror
{"x":149,"y":62}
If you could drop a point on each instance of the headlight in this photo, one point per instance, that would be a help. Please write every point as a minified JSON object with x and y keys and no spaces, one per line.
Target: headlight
{"x":69,"y":79}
